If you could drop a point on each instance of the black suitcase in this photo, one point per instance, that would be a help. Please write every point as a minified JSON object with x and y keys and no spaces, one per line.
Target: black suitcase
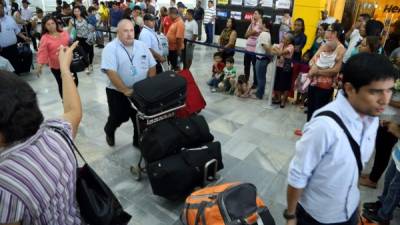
{"x":167,"y":137}
{"x":25,"y":58}
{"x":176,"y":176}
{"x":162,"y":92}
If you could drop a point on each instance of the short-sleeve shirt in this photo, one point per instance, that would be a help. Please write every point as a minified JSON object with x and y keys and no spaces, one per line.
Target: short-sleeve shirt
{"x":26,"y":14}
{"x":82,"y":28}
{"x":230,"y":72}
{"x":9,"y":30}
{"x":264,"y":38}
{"x":177,"y":30}
{"x":191,"y":29}
{"x":130,"y":68}
{"x":149,"y":37}
{"x":166,"y":22}
{"x":281,"y":59}
{"x":116,"y":16}
{"x":38,"y":179}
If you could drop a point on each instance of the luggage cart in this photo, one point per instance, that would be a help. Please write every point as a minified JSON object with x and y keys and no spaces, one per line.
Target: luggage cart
{"x":143,"y":121}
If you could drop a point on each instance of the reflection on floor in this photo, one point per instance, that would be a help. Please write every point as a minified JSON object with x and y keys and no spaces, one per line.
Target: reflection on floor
{"x":258,"y":143}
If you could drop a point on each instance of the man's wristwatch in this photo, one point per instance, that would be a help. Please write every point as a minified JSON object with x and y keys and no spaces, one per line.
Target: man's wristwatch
{"x":288,"y":216}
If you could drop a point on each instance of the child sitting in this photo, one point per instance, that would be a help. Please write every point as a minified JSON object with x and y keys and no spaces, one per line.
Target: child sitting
{"x":217,"y":72}
{"x":228,"y":84}
{"x":242,"y":87}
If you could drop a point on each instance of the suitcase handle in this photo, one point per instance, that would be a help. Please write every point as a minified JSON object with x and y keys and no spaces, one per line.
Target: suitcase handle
{"x":207,"y":166}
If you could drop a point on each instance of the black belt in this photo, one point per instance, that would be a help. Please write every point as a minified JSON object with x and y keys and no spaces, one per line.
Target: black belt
{"x":262,"y":58}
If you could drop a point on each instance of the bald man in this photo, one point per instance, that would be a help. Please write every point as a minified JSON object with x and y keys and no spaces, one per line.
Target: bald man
{"x":125,"y":61}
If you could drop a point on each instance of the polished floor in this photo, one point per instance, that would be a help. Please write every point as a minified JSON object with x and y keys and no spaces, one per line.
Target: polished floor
{"x":257,"y":143}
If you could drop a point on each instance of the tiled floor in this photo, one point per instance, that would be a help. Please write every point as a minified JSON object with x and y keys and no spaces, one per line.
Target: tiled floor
{"x":257,"y":143}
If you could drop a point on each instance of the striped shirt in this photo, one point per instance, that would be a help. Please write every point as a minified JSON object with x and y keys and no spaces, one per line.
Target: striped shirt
{"x":37,"y":179}
{"x":209,"y":15}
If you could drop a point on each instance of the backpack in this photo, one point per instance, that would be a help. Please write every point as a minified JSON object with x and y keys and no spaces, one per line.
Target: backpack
{"x":226,"y":204}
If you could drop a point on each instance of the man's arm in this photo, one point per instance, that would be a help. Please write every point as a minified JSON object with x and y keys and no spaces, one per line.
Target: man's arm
{"x":152,"y":72}
{"x":293,"y":196}
{"x":117,"y":82}
{"x":157,"y":56}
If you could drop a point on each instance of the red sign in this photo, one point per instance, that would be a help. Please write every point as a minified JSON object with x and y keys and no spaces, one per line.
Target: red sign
{"x":248,"y":15}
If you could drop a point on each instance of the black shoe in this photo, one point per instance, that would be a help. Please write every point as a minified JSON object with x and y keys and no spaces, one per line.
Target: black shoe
{"x":373,"y":216}
{"x":372,"y":206}
{"x":109,"y":138}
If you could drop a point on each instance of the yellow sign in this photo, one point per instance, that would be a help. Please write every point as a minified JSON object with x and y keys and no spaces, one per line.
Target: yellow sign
{"x":222,"y":2}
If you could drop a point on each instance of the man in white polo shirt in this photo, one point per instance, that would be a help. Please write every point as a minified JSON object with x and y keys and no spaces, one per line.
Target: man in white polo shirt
{"x":149,"y":37}
{"x":9,"y":31}
{"x":125,"y":61}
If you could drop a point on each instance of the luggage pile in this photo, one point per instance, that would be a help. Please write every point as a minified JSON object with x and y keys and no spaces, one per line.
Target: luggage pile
{"x":179,"y":153}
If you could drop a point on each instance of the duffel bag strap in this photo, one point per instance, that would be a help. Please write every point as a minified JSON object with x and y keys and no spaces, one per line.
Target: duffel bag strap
{"x":265,"y":216}
{"x":200,"y":214}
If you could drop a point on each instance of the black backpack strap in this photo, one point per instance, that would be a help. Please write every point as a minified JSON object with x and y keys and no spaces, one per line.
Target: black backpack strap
{"x":354,"y":145}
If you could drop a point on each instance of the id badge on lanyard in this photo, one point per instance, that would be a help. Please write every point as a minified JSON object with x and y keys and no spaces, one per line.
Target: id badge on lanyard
{"x":133,"y":70}
{"x":132,"y":67}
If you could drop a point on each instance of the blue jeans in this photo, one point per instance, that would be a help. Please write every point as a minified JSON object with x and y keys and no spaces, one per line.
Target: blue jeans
{"x":261,"y":74}
{"x":390,"y":197}
{"x":209,"y":31}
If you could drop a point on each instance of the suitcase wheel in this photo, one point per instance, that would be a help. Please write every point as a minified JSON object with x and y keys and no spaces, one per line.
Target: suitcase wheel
{"x":137,"y":172}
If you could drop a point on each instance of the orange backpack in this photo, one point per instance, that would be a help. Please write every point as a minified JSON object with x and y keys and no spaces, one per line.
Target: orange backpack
{"x":226,"y":204}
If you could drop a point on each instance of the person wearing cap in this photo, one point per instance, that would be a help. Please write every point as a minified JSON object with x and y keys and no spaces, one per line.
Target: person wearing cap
{"x":325,"y":18}
{"x":26,"y":12}
{"x":149,"y":37}
{"x":8,"y":37}
{"x":125,"y":61}
{"x":175,"y":36}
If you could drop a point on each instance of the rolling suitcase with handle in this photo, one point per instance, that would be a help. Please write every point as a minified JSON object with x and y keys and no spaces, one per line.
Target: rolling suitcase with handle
{"x":156,"y":94}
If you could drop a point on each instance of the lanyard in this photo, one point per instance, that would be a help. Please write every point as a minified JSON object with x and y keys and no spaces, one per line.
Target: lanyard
{"x":133,"y":56}
{"x":154,"y":33}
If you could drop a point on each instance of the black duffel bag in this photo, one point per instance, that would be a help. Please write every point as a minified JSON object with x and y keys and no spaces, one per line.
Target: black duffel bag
{"x":168,"y":137}
{"x":176,"y":176}
{"x":162,"y":92}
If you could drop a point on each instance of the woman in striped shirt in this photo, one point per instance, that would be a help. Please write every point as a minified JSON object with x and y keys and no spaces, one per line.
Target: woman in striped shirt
{"x":37,"y":168}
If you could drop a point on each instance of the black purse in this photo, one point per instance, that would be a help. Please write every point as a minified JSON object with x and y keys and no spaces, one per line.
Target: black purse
{"x":97,"y":204}
{"x":287,"y":65}
{"x":80,"y":60}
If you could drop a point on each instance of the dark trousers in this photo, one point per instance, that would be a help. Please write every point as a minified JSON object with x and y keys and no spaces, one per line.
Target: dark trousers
{"x":317,"y":98}
{"x":173,"y":59}
{"x":57,"y":75}
{"x":384,"y":145}
{"x":249,"y":60}
{"x":200,"y":28}
{"x":89,"y":49}
{"x":120,"y":111}
{"x":11,"y":54}
{"x":209,"y":27}
{"x":303,"y":218}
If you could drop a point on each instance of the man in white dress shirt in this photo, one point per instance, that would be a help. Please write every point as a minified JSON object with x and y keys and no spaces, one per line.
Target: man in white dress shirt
{"x":323,"y":174}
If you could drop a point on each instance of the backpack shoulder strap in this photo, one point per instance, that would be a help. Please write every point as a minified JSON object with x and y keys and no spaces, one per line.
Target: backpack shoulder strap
{"x":354,"y":145}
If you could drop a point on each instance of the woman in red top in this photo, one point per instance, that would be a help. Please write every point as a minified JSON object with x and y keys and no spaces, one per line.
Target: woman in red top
{"x":52,"y":38}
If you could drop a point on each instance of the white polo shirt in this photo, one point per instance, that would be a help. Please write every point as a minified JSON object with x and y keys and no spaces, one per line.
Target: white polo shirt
{"x":26,"y":14}
{"x":9,"y":30}
{"x":131,"y":63}
{"x":149,"y":37}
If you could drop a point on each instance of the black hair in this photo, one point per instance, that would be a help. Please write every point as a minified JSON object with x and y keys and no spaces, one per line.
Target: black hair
{"x":365,"y":16}
{"x":324,"y":26}
{"x":91,"y":9}
{"x":136,"y":7}
{"x":66,"y":6}
{"x":127,"y":14}
{"x":233,"y":23}
{"x":230,"y":60}
{"x":83,"y":12}
{"x":20,"y":116}
{"x":173,"y":10}
{"x":303,"y":29}
{"x":373,"y":43}
{"x":337,"y":27}
{"x":361,"y":69}
{"x":267,"y":22}
{"x":44,"y":21}
{"x":260,"y":11}
{"x":374,"y":28}
{"x":210,"y":2}
{"x":190,"y":11}
{"x":217,"y":54}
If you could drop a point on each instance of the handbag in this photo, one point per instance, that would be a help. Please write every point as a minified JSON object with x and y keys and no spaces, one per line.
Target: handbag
{"x":287,"y":65}
{"x":80,"y":60}
{"x":97,"y":204}
{"x":91,"y":39}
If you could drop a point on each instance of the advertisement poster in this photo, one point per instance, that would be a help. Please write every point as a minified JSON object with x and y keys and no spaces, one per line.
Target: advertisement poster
{"x":250,"y":3}
{"x":283,"y":4}
{"x":248,"y":15}
{"x":267,"y":3}
{"x":222,"y":2}
{"x":236,"y":15}
{"x":236,"y":2}
{"x":222,"y":14}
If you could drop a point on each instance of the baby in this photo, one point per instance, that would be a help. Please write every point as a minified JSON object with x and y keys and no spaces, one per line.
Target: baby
{"x":327,"y":56}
